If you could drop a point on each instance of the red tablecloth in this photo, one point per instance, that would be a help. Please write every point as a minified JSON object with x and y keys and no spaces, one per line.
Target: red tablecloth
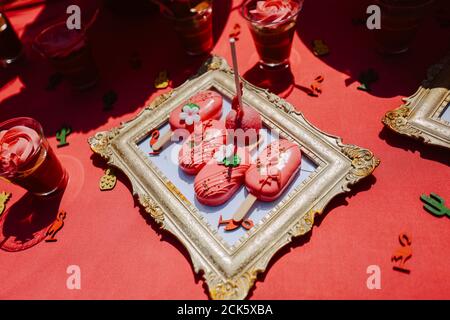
{"x":123,"y":255}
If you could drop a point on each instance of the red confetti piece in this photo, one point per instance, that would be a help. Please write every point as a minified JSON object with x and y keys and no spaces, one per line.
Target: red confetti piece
{"x":154,"y":136}
{"x":402,"y":254}
{"x":236,"y":31}
{"x":315,"y":88}
{"x":55,"y":227}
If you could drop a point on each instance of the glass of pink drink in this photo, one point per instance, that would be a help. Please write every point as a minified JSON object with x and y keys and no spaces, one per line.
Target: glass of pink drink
{"x":26,"y":158}
{"x":272,"y":24}
{"x":192,"y":21}
{"x":70,"y":54}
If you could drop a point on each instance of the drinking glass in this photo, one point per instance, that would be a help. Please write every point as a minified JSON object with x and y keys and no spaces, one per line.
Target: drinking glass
{"x":193,"y":25}
{"x":10,"y":45}
{"x":400,"y":21}
{"x":272,"y":25}
{"x":70,"y":54}
{"x":26,"y":158}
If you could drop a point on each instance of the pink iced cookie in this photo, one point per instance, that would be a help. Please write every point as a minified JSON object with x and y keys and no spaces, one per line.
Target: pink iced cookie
{"x":200,"y":146}
{"x":216,"y":183}
{"x":273,"y":171}
{"x":205,"y":105}
{"x":244,"y":118}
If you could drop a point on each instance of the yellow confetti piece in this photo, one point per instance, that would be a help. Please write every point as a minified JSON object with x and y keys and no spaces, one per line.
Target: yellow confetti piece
{"x":320,"y":48}
{"x":162,"y":80}
{"x":108,"y":180}
{"x":4,"y":197}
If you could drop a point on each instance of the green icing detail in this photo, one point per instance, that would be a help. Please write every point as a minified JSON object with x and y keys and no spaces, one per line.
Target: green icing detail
{"x":193,"y":106}
{"x":234,"y":162}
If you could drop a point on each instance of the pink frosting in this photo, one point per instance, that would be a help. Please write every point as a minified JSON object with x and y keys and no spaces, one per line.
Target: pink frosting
{"x":201,"y":145}
{"x":251,"y":119}
{"x":17,"y":145}
{"x":273,"y":11}
{"x":58,"y":41}
{"x":210,"y":104}
{"x":215,"y":184}
{"x":275,"y":168}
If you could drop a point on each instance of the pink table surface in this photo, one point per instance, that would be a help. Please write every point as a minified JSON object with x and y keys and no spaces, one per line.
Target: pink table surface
{"x":121,"y":253}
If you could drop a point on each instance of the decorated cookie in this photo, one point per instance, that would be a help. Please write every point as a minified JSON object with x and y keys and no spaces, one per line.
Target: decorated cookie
{"x":220,"y":178}
{"x":205,"y":105}
{"x":200,"y":146}
{"x":274,"y":169}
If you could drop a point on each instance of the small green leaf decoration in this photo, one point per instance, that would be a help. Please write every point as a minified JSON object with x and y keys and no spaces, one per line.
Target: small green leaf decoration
{"x":193,"y":106}
{"x":234,"y":162}
{"x":435,"y":205}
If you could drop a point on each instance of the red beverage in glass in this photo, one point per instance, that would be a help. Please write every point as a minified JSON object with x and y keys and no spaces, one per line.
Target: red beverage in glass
{"x":10,"y":45}
{"x":272,"y":24}
{"x":70,"y":54}
{"x":192,"y":21}
{"x":400,"y":21}
{"x":26,"y":158}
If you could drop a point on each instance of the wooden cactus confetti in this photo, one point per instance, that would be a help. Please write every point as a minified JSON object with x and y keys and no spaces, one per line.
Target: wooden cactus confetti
{"x":402,"y":254}
{"x":4,"y":198}
{"x":56,"y":226}
{"x":236,"y":31}
{"x":61,"y":136}
{"x":435,"y":205}
{"x":316,"y":88}
{"x":367,"y":78}
{"x":162,"y":80}
{"x":108,"y":180}
{"x":320,"y":48}
{"x":109,"y":99}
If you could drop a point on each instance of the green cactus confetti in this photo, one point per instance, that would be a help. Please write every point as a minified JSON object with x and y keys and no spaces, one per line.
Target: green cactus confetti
{"x":109,"y":99}
{"x":435,"y":205}
{"x":61,"y":136}
{"x":366,"y":78}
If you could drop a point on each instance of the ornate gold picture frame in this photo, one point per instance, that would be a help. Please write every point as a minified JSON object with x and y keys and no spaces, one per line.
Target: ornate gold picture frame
{"x":426,"y":114}
{"x":230,"y":270}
